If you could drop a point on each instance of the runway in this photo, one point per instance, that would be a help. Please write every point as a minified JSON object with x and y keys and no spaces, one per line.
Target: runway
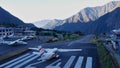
{"x":86,"y":58}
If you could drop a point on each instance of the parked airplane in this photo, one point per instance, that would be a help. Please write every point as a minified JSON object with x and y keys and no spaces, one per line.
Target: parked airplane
{"x":47,"y":54}
{"x":27,"y":38}
{"x":7,"y":36}
{"x":16,"y":42}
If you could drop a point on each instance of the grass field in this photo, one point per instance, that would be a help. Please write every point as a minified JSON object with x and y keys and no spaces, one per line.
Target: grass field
{"x":106,"y":61}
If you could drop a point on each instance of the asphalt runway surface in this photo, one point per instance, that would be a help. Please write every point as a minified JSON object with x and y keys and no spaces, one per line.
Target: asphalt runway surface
{"x":5,"y":49}
{"x":86,"y":58}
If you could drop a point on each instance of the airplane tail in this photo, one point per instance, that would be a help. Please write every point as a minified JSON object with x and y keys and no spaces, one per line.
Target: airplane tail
{"x":40,"y":48}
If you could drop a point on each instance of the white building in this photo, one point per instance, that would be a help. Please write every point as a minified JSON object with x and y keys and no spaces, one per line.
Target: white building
{"x":6,"y":31}
{"x":29,"y":32}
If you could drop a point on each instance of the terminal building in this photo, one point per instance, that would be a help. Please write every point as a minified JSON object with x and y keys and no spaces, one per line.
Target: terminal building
{"x":29,"y":32}
{"x":6,"y":31}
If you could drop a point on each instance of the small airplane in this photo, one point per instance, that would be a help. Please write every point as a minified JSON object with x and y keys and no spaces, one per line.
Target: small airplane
{"x":16,"y":42}
{"x":25,"y":38}
{"x":7,"y":36}
{"x":47,"y":54}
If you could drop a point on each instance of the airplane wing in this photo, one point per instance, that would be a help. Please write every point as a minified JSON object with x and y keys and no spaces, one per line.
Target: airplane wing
{"x":67,"y":50}
{"x":62,"y":50}
{"x":34,"y":49}
{"x":59,"y":50}
{"x":37,"y":53}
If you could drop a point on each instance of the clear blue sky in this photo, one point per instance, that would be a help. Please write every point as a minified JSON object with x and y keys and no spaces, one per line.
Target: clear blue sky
{"x":36,"y":10}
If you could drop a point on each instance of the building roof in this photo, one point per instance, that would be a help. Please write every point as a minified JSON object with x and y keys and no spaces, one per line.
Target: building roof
{"x":29,"y":31}
{"x":116,"y":31}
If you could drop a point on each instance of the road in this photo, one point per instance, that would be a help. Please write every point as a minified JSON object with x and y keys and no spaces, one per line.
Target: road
{"x":86,"y":58}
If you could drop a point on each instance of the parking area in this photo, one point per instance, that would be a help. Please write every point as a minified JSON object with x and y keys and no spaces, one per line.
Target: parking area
{"x":6,"y":49}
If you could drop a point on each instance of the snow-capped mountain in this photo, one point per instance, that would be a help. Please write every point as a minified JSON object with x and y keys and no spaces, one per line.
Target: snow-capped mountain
{"x":48,"y":24}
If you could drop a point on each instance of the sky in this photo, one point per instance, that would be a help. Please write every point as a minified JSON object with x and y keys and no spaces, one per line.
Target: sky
{"x":35,"y":10}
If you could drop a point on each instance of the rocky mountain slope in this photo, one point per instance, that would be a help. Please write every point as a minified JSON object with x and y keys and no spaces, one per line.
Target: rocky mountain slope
{"x":8,"y":19}
{"x":92,"y":13}
{"x":93,"y":20}
{"x":87,"y":15}
{"x":104,"y":24}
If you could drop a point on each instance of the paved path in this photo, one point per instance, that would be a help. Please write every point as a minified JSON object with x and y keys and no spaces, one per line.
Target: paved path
{"x":85,"y":39}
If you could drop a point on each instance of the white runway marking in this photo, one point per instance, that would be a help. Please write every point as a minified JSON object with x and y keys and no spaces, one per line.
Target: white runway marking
{"x":69,"y":50}
{"x":14,"y":60}
{"x":31,"y":65}
{"x":11,"y":65}
{"x":70,"y":43}
{"x":77,"y":41}
{"x":56,"y":66}
{"x":69,"y":62}
{"x":53,"y":63}
{"x":79,"y":62}
{"x":27,"y":61}
{"x":89,"y":62}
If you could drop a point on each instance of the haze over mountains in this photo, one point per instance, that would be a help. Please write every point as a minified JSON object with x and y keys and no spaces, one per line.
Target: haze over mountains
{"x":84,"y":20}
{"x":100,"y":19}
{"x":48,"y":24}
{"x":8,"y":19}
{"x":104,"y":24}
{"x":92,"y":13}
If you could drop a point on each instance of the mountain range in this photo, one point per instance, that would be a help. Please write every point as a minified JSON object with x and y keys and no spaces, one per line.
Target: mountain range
{"x":8,"y":19}
{"x":104,"y":24}
{"x":89,"y":20}
{"x":92,"y":13}
{"x":48,"y":24}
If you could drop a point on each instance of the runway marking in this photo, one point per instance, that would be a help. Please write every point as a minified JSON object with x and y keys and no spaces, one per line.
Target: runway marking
{"x":31,"y":65}
{"x":89,"y":62}
{"x":54,"y":62}
{"x":73,"y":42}
{"x":79,"y":62}
{"x":51,"y":65}
{"x":69,"y":62}
{"x":69,"y":50}
{"x":14,"y":60}
{"x":70,"y":43}
{"x":57,"y":66}
{"x":11,"y":65}
{"x":27,"y":61}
